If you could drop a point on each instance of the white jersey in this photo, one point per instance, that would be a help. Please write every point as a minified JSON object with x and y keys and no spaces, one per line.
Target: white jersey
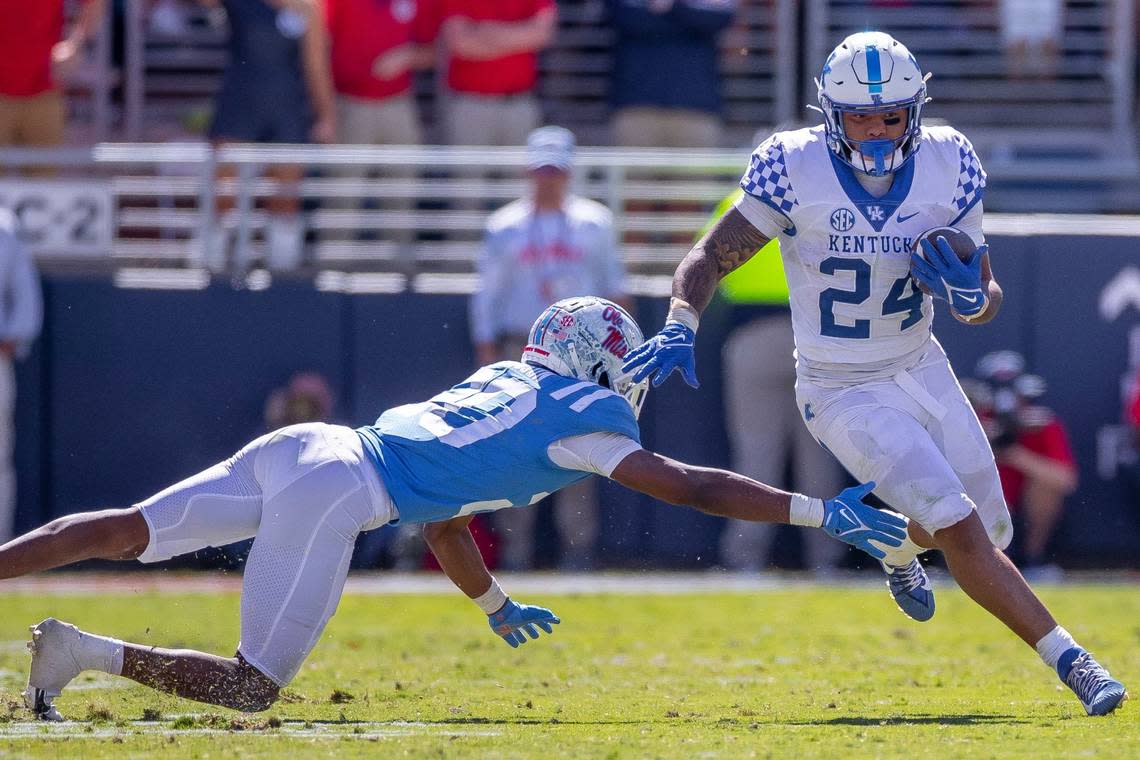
{"x":856,"y":313}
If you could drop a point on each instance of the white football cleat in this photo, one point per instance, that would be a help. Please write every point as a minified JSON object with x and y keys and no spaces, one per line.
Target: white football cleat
{"x":53,"y":647}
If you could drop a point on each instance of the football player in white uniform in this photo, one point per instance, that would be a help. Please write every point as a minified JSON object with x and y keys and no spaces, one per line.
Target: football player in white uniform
{"x":847,"y":200}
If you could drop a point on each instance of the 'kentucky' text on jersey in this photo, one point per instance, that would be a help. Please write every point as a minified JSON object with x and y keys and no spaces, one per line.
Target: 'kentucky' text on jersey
{"x":846,"y":252}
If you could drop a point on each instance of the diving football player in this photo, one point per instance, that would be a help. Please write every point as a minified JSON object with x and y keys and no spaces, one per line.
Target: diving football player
{"x":504,"y":438}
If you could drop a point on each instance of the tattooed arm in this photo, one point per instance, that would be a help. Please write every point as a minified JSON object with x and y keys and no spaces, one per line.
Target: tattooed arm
{"x":732,"y":241}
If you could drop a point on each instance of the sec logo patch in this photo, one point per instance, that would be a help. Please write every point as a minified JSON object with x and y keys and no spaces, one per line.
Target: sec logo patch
{"x":842,"y":219}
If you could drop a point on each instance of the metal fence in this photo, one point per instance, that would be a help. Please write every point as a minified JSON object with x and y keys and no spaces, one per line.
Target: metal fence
{"x":401,"y":212}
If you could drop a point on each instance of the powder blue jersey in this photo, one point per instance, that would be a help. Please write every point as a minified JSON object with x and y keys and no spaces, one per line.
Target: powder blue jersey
{"x":481,"y":446}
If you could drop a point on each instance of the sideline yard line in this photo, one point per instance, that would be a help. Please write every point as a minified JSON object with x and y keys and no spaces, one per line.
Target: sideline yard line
{"x":375,"y":583}
{"x":40,"y":730}
{"x":372,"y":583}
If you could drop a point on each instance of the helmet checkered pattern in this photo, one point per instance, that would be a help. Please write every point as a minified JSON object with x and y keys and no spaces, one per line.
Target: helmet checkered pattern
{"x":767,"y":177}
{"x":971,"y":176}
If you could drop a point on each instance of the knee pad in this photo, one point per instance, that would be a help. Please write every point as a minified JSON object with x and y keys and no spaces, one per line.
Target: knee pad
{"x":998,"y":523}
{"x":947,"y":511}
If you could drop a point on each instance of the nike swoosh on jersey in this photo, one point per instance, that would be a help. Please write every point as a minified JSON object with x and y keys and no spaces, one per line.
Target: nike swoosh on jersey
{"x":902,"y":218}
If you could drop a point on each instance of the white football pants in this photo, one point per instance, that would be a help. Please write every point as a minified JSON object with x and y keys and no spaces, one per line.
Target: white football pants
{"x":303,"y":493}
{"x":918,"y":438}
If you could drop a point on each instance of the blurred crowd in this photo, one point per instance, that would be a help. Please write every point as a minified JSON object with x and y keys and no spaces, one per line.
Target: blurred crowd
{"x":344,"y":70}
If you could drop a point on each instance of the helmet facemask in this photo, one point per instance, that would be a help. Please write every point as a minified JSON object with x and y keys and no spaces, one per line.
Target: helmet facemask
{"x":881,"y":156}
{"x":872,"y":73}
{"x":587,"y":338}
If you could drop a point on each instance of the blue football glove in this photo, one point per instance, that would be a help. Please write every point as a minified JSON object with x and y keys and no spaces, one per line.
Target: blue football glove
{"x":514,"y":618}
{"x":853,"y":521}
{"x":670,"y":349}
{"x":949,"y":278}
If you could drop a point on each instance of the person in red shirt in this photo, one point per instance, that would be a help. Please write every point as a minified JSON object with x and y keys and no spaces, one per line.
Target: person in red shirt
{"x":37,"y":58}
{"x":492,"y":48}
{"x":375,"y":45}
{"x":1035,"y":461}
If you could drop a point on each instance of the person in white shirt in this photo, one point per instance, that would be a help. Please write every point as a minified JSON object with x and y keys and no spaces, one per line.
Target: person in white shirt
{"x":547,"y":246}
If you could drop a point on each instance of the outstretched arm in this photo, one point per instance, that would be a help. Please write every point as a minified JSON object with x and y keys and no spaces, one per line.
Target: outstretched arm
{"x":716,"y":492}
{"x":732,"y":241}
{"x":453,"y":545}
{"x":727,"y":494}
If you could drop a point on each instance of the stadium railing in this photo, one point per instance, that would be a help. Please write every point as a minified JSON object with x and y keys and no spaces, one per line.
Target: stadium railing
{"x":171,"y":70}
{"x":93,"y":113}
{"x":128,"y":206}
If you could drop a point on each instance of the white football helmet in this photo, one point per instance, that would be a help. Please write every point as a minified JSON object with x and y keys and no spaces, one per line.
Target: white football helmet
{"x":587,"y":338}
{"x":872,"y":72}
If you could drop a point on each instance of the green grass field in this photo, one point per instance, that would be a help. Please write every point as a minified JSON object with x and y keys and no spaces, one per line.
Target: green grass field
{"x":798,"y":673}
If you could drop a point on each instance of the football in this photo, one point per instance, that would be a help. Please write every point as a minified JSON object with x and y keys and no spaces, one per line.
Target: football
{"x":962,"y":244}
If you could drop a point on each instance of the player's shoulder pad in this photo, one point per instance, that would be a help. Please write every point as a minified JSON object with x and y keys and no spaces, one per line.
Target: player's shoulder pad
{"x":953,"y":149}
{"x":617,"y":415}
{"x":767,"y":175}
{"x":511,"y":215}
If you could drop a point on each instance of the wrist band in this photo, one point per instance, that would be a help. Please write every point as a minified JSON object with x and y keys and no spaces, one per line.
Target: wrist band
{"x":680,"y":311}
{"x":491,"y":600}
{"x":805,"y":510}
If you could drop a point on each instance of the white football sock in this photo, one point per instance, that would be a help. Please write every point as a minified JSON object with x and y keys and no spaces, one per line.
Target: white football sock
{"x":99,"y":653}
{"x":1054,"y":644}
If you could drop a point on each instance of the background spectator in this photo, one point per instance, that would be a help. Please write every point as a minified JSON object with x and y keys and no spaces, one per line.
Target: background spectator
{"x":1031,"y":35}
{"x":666,"y":78}
{"x":1131,"y":461}
{"x":375,"y":46}
{"x":540,"y":249}
{"x":307,"y":398}
{"x":21,"y":313}
{"x":37,"y":61}
{"x":767,"y":436}
{"x":275,"y":89}
{"x":1035,"y":461}
{"x":492,"y":48}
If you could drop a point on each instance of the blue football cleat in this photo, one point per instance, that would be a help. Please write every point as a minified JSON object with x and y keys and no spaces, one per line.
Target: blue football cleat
{"x":1099,"y":692}
{"x":911,"y":589}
